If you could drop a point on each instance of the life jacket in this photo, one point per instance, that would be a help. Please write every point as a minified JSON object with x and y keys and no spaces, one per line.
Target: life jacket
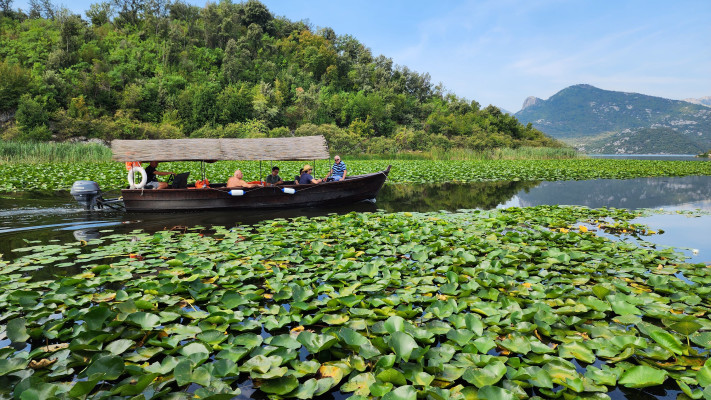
{"x":202,"y":184}
{"x":131,"y":164}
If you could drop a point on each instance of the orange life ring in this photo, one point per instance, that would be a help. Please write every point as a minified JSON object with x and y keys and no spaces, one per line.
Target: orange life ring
{"x":131,"y":164}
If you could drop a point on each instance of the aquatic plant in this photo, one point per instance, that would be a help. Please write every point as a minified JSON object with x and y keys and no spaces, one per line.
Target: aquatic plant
{"x":60,"y":176}
{"x":501,"y":304}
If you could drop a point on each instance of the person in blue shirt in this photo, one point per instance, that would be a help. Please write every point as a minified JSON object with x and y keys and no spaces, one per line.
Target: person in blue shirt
{"x":306,"y":176}
{"x":338,"y":171}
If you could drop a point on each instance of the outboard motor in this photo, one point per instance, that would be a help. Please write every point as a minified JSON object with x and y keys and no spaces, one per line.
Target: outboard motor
{"x":87,"y":193}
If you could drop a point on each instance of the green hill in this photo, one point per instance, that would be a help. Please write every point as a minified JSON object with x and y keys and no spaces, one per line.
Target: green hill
{"x":617,"y":122}
{"x":172,"y":70}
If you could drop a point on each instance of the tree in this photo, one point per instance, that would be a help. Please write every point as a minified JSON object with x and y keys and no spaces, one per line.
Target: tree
{"x":100,"y":13}
{"x":15,"y":81}
{"x":6,"y":7}
{"x":129,"y":11}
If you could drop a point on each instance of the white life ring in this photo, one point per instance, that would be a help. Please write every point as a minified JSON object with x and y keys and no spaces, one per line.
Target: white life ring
{"x":132,"y":182}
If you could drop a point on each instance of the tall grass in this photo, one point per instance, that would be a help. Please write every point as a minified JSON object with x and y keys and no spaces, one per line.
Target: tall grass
{"x":37,"y":152}
{"x":521,"y":153}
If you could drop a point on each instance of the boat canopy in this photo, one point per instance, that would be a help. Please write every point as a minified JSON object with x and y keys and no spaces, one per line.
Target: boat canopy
{"x":287,"y":148}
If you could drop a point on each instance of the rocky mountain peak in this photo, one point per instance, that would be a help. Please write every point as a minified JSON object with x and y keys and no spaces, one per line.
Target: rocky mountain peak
{"x":531,"y":101}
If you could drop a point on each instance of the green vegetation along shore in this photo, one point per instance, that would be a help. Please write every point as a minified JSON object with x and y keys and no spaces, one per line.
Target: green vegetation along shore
{"x":505,"y":304}
{"x":112,"y":175}
{"x":148,"y":70}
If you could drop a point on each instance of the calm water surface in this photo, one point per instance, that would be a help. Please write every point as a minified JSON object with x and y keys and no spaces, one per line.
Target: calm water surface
{"x":57,"y":217}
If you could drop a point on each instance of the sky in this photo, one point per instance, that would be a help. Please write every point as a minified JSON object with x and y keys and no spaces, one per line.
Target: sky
{"x":501,"y":51}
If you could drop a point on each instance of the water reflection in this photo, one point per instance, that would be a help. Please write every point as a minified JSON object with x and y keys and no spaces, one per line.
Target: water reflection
{"x":682,"y":193}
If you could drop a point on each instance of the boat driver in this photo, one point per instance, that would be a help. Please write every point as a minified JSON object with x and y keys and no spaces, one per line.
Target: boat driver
{"x":152,"y":181}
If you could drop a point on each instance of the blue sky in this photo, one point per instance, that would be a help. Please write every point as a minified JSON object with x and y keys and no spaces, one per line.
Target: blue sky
{"x":502,"y":51}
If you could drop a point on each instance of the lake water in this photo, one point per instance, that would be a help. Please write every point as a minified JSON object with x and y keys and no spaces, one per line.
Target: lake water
{"x":58,"y":217}
{"x":684,"y":216}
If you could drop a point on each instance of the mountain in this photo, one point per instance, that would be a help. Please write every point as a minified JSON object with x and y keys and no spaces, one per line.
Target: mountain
{"x":704,"y":101}
{"x":603,"y":121}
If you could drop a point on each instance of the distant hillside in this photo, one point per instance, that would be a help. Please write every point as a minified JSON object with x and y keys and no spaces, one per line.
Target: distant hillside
{"x":604,"y":121}
{"x":704,"y":101}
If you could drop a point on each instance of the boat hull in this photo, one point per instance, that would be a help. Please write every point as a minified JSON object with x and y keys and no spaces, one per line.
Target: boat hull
{"x":350,"y":190}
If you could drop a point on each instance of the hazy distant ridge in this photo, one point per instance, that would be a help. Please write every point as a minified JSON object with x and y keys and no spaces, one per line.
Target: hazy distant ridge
{"x":598,"y":120}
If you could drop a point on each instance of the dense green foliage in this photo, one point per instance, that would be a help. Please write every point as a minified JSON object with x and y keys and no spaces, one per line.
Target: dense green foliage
{"x":504,"y":304}
{"x":651,"y":124}
{"x":112,"y":175}
{"x":162,"y":69}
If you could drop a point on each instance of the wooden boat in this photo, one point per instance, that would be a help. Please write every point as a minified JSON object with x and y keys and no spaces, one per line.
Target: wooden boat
{"x":218,"y":196}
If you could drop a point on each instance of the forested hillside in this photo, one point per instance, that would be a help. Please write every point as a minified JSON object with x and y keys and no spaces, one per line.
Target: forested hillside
{"x":160,"y":69}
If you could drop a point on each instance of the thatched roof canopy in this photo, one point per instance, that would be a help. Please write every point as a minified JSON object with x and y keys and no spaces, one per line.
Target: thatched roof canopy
{"x":289,"y":148}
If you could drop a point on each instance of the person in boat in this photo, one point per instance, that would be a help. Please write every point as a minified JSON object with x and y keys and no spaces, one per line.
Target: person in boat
{"x":237,"y":181}
{"x":338,"y":171}
{"x":274,"y":178}
{"x":152,"y":181}
{"x":306,"y":176}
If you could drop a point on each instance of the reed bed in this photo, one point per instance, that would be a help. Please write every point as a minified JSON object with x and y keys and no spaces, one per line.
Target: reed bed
{"x":521,"y":153}
{"x":38,"y":152}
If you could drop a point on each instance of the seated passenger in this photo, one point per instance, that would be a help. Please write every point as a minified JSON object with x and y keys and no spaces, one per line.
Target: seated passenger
{"x":237,"y":181}
{"x":306,"y":177}
{"x":274,"y":178}
{"x":338,"y":171}
{"x":152,"y":181}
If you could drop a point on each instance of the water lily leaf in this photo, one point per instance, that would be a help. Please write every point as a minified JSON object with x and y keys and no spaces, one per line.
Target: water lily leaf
{"x":601,"y":377}
{"x":668,"y":341}
{"x":395,"y":324}
{"x":393,"y":376}
{"x":82,"y":388}
{"x":422,"y":379}
{"x":703,"y":339}
{"x":279,"y":386}
{"x":105,"y":368}
{"x":146,"y":321}
{"x":16,"y":330}
{"x":703,"y":375}
{"x":380,"y":389}
{"x":96,"y":316}
{"x":576,"y":350}
{"x":302,"y":368}
{"x":686,"y":327}
{"x":539,"y":377}
{"x":401,"y":393}
{"x":489,"y":375}
{"x":285,"y":341}
{"x":212,"y":337}
{"x":460,"y":336}
{"x":517,"y":344}
{"x":359,"y":384}
{"x":642,"y":376}
{"x":306,"y":390}
{"x":195,"y":348}
{"x":622,"y":307}
{"x":248,"y":340}
{"x":402,"y":344}
{"x":315,"y":343}
{"x":600,"y":291}
{"x":9,"y":365}
{"x":335,"y":319}
{"x":117,"y":347}
{"x":495,"y":392}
